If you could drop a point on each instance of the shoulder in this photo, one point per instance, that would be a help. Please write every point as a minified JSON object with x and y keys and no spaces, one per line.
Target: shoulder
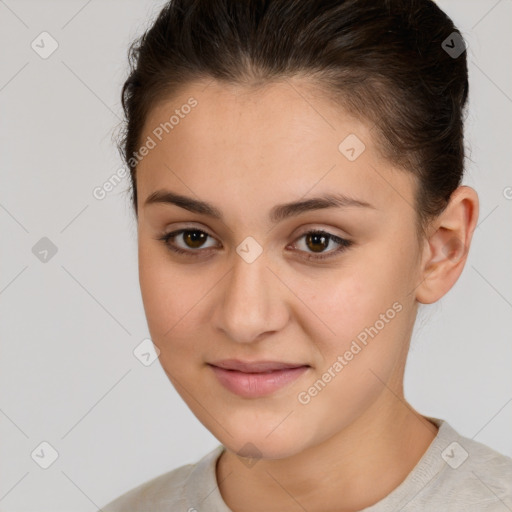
{"x":164,"y":490}
{"x":167,"y":491}
{"x":473,"y":475}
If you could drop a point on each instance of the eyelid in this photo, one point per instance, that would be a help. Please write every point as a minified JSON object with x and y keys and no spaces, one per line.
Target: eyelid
{"x":323,"y":229}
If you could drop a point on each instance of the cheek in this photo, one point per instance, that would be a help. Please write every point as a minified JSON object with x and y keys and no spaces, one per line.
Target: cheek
{"x":354,"y":298}
{"x":368,"y":325}
{"x":174,"y":298}
{"x":165,"y":293}
{"x":370,"y":342}
{"x":367,"y":310}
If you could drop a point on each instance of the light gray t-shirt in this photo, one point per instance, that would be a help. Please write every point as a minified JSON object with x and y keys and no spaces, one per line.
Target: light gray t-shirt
{"x":455,"y":474}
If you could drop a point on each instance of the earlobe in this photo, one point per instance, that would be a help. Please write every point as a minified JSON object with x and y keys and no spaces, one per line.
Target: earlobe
{"x":448,"y":245}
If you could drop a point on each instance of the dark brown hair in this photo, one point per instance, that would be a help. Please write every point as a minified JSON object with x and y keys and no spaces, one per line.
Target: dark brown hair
{"x":382,"y":60}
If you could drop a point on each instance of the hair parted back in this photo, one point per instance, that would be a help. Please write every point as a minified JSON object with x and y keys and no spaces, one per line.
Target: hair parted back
{"x":381,"y":60}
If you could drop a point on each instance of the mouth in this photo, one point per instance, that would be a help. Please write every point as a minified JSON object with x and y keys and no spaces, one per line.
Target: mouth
{"x":256,"y":379}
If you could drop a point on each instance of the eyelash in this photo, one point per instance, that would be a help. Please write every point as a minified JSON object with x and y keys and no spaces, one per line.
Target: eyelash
{"x":344,"y":243}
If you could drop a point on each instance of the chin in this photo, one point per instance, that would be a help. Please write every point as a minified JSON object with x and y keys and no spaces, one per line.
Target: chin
{"x":261,"y":448}
{"x":262,"y":440}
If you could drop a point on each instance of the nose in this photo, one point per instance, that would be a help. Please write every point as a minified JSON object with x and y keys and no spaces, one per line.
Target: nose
{"x":251,"y":302}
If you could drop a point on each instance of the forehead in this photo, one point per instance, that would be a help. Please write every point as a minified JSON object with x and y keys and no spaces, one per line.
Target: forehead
{"x":278,"y":142}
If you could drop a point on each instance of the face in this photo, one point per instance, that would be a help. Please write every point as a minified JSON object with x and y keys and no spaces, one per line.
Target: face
{"x":327,"y":290}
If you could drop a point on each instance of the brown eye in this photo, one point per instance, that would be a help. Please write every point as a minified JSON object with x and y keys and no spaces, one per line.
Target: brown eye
{"x":318,"y":241}
{"x":191,"y":241}
{"x":194,"y":239}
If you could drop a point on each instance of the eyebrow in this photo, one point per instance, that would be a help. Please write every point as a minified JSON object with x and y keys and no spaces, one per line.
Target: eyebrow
{"x":277,"y":213}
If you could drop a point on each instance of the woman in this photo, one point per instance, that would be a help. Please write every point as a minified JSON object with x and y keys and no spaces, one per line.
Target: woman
{"x":296,"y":170}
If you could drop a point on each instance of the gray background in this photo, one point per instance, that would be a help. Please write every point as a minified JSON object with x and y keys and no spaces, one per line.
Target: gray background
{"x":69,"y":325}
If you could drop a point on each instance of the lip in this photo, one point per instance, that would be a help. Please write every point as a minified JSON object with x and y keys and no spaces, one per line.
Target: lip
{"x":258,"y":378}
{"x":254,"y":366}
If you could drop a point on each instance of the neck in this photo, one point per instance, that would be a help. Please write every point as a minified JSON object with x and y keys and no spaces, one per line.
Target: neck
{"x":355,"y":468}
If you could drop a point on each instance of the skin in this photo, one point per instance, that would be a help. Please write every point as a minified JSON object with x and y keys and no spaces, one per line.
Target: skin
{"x":245,"y":150}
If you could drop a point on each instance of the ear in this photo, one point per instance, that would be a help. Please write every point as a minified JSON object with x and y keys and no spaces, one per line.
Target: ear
{"x":447,"y":245}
